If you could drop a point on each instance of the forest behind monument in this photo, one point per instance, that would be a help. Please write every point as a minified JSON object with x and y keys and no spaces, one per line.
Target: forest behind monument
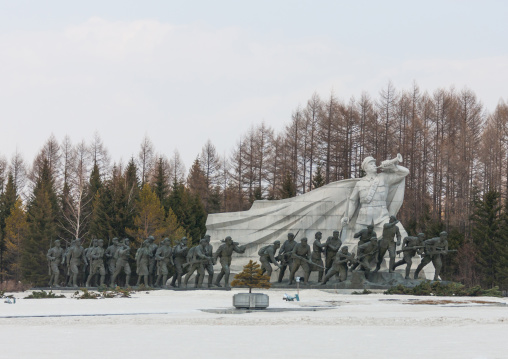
{"x":455,"y":149}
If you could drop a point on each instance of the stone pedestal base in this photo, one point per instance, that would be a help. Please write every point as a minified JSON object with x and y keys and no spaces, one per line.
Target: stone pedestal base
{"x":250,"y":301}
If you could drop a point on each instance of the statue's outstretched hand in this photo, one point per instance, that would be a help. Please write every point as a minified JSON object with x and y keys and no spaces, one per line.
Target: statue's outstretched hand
{"x":345,"y":221}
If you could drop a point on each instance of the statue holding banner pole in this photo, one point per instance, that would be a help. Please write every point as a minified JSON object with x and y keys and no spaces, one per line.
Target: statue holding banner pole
{"x":349,"y":206}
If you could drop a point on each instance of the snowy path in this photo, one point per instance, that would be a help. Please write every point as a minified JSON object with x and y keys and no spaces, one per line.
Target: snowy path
{"x":358,"y":326}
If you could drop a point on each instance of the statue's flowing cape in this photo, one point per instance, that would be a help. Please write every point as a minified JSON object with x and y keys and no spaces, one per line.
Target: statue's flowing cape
{"x":318,"y":210}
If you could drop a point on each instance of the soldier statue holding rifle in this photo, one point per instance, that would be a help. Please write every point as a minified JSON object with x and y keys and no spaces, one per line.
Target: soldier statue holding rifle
{"x":434,"y":248}
{"x":411,"y":246}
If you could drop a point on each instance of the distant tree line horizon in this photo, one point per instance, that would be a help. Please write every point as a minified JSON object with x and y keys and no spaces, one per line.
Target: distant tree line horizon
{"x":456,"y":151}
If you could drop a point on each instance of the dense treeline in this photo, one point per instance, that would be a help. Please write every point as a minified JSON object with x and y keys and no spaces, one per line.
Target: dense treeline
{"x":456,"y":151}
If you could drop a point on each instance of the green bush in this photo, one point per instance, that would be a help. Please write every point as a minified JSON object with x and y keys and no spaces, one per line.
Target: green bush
{"x":44,"y":295}
{"x":439,"y":289}
{"x":114,"y":293}
{"x":365,"y":291}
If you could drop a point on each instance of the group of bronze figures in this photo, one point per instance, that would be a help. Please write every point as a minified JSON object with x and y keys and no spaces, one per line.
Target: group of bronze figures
{"x":338,"y":261}
{"x":155,"y":263}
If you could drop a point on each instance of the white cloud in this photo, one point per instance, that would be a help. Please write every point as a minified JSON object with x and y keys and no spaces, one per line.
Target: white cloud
{"x":184,"y":84}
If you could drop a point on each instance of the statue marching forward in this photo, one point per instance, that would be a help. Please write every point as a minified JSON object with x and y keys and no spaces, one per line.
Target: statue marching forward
{"x":55,"y":258}
{"x":224,"y":254}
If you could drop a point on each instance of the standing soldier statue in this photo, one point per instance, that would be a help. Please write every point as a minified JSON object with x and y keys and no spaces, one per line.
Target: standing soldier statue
{"x":267,"y":256}
{"x":180,"y":257}
{"x":410,"y":247}
{"x":386,"y":243}
{"x":209,"y":265}
{"x":65,"y":267}
{"x":88,"y":253}
{"x":340,"y":265}
{"x":332,"y":246}
{"x":317,"y":249}
{"x":54,"y":257}
{"x":110,"y":257}
{"x":151,"y":267}
{"x":142,"y":262}
{"x":301,"y":257}
{"x":164,"y":258}
{"x":224,"y":253}
{"x":75,"y":259}
{"x":122,"y":255}
{"x":97,"y":263}
{"x":285,"y":255}
{"x":371,"y":194}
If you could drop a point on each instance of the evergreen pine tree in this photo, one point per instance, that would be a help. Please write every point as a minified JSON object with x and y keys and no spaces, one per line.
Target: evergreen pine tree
{"x":487,"y":237}
{"x":215,"y":200}
{"x":252,"y":277}
{"x":160,"y":184}
{"x":258,"y":194}
{"x":288,"y":189}
{"x":174,"y":230}
{"x":189,"y":211}
{"x":7,"y":201}
{"x":151,"y":218}
{"x":197,"y":228}
{"x":42,"y":228}
{"x":318,"y":179}
{"x":15,"y":233}
{"x":196,"y":182}
{"x":100,"y":220}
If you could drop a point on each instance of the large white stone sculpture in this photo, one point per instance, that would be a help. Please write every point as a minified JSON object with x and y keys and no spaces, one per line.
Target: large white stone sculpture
{"x":351,"y":204}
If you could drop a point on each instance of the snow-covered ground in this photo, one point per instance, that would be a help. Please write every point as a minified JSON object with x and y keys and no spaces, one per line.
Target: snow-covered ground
{"x":171,"y":324}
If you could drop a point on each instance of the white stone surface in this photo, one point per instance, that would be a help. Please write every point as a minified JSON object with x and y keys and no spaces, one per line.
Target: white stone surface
{"x":358,"y":326}
{"x":266,"y":221}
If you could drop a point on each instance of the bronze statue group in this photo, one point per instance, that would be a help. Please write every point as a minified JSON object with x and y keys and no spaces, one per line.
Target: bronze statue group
{"x":370,"y":252}
{"x":155,"y":263}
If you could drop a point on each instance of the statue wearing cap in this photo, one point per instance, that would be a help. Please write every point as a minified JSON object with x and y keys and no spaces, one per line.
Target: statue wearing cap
{"x":375,"y":195}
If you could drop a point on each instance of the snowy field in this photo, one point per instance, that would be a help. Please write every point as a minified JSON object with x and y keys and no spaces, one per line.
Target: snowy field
{"x":170,"y":324}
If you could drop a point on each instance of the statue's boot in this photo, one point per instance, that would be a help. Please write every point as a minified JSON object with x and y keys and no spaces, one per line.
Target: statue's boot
{"x":417,"y":271}
{"x":210,"y":281}
{"x":219,"y":278}
{"x":103,"y":278}
{"x":55,"y":281}
{"x":281,"y":274}
{"x":399,"y":263}
{"x":291,"y":278}
{"x":146,"y":281}
{"x":391,"y":268}
{"x":408,"y":271}
{"x":306,"y":278}
{"x":378,"y":267}
{"x":164,"y":281}
{"x":226,"y":280}
{"x":320,"y":276}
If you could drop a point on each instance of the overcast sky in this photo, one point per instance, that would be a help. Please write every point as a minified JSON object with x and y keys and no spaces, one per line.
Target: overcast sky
{"x":183,"y":72}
